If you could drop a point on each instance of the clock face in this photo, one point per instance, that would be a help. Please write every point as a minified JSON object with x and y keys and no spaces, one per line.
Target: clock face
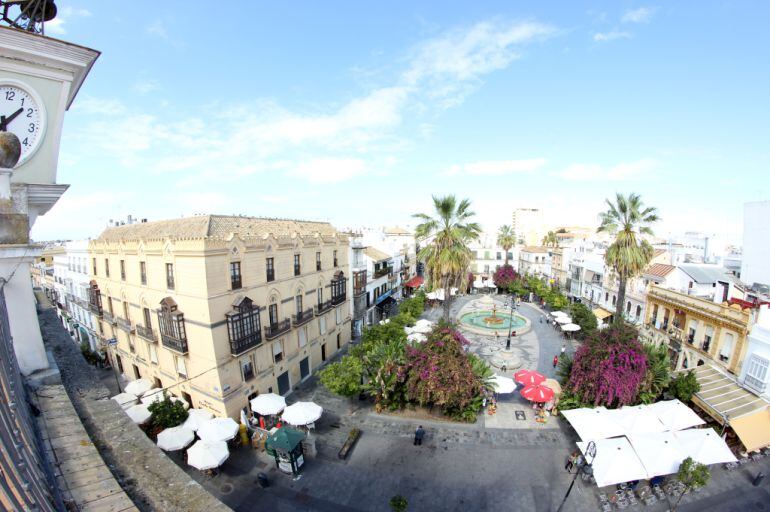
{"x":21,"y":112}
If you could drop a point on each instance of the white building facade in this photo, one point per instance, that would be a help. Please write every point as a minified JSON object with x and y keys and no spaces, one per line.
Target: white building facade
{"x":755,"y":262}
{"x":755,"y":371}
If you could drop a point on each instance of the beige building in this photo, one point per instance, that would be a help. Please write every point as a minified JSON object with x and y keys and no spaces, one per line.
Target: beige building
{"x":527,"y":225}
{"x":220,"y":308}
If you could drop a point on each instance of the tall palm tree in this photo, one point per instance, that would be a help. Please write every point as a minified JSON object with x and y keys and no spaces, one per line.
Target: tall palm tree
{"x":446,"y":236}
{"x":506,"y":238}
{"x":627,"y":219}
{"x":550,"y":239}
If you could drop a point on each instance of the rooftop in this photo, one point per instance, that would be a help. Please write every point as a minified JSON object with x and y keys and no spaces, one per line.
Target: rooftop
{"x":215,"y":226}
{"x":396,"y":231}
{"x":707,"y":274}
{"x":376,"y":254}
{"x":534,"y":248}
{"x":659,"y":270}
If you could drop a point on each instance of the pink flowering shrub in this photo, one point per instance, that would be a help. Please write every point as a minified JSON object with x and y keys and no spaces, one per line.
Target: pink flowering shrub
{"x":609,"y":368}
{"x":504,"y":277}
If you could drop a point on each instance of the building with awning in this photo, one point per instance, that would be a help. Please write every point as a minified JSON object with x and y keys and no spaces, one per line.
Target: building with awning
{"x":731,"y":405}
{"x":602,"y":314}
{"x":415,"y":282}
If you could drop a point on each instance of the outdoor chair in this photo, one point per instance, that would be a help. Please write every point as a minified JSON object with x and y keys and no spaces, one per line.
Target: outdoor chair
{"x":606,"y":507}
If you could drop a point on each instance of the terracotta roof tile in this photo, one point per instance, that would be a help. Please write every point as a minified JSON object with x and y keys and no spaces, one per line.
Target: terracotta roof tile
{"x":659,"y":270}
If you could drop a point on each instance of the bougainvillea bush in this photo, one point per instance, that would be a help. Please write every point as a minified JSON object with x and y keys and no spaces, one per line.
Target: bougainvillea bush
{"x":439,"y":374}
{"x":504,"y":277}
{"x":609,"y":368}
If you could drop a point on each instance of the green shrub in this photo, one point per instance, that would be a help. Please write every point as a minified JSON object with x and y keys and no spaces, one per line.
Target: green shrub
{"x":684,"y":386}
{"x":167,"y":413}
{"x":398,"y":503}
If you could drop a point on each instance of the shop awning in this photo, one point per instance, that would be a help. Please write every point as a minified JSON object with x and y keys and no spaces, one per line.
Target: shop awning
{"x":601,"y":313}
{"x":415,"y":282}
{"x":753,"y":429}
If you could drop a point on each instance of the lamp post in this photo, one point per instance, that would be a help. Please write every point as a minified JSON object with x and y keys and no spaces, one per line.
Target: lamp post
{"x":510,"y":322}
{"x":584,"y":468}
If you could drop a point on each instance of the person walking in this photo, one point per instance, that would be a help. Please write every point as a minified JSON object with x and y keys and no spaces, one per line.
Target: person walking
{"x":563,"y":348}
{"x":571,"y":461}
{"x":555,"y":361}
{"x":418,"y":435}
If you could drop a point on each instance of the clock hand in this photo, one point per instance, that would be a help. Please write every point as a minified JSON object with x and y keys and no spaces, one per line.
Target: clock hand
{"x":6,"y":120}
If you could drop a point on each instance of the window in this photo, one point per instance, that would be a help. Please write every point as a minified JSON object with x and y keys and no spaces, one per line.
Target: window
{"x":510,"y":255}
{"x":302,"y":336}
{"x":338,"y":313}
{"x":153,"y":353}
{"x":606,"y":297}
{"x":322,"y":325}
{"x":122,"y":270}
{"x":707,"y":338}
{"x":726,"y":350}
{"x":247,"y":369}
{"x":181,"y":367}
{"x":109,"y":305}
{"x":277,"y":352}
{"x":147,"y":318}
{"x":106,"y":267}
{"x":270,"y":270}
{"x":143,"y":272}
{"x":273,"y":313}
{"x":335,"y":259}
{"x":171,"y":321}
{"x":756,"y":373}
{"x":243,"y":326}
{"x":235,"y":275}
{"x":320,"y":294}
{"x":297,"y":268}
{"x":499,"y":255}
{"x":318,"y":261}
{"x":339,"y":340}
{"x":170,"y":276}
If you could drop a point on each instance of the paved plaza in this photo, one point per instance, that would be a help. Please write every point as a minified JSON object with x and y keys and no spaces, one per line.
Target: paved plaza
{"x":498,"y":463}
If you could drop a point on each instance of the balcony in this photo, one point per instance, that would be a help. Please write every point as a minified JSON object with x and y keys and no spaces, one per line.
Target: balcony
{"x":323,"y":307}
{"x":124,"y":324}
{"x":302,"y":317}
{"x":146,"y":333}
{"x":241,"y":345}
{"x":755,"y":384}
{"x":339,"y":299}
{"x":381,"y":272}
{"x":176,"y":344}
{"x":108,"y":317}
{"x":278,"y":328}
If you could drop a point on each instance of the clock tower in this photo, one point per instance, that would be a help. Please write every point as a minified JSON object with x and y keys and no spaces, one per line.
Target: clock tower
{"x":39,"y":79}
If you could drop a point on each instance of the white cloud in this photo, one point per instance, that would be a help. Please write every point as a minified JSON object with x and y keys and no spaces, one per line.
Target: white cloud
{"x":101,"y":106}
{"x":158,"y":29}
{"x":145,"y":86}
{"x":640,"y":15}
{"x":618,"y":172}
{"x":57,"y":25}
{"x":329,"y":170}
{"x":497,"y":167}
{"x":611,"y":36}
{"x":82,"y":215}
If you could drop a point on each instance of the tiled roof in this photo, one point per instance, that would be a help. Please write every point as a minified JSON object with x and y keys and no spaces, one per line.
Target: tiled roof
{"x":659,"y":270}
{"x":658,"y":252}
{"x":534,"y":248}
{"x":215,"y":226}
{"x":376,"y":254}
{"x":396,"y":231}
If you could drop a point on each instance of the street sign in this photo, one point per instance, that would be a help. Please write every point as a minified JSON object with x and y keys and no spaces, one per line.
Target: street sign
{"x":112,"y":341}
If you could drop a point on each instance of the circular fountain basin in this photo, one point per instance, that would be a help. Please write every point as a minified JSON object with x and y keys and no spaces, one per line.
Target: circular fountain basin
{"x":488,"y":322}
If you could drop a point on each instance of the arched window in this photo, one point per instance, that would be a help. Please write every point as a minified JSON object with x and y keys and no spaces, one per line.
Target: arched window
{"x":638,"y":311}
{"x":243,"y":326}
{"x":172,"y":328}
{"x":628,"y":307}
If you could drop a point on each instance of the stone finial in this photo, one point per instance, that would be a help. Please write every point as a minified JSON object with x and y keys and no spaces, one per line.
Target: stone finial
{"x":10,"y":150}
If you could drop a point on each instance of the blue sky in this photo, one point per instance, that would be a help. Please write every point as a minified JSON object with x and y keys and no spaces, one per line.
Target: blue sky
{"x":356,"y":112}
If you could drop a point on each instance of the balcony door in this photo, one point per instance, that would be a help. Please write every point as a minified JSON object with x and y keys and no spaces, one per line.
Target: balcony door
{"x":283,"y":383}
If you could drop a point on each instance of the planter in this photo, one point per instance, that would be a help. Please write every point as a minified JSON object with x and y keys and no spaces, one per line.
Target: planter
{"x":349,"y":443}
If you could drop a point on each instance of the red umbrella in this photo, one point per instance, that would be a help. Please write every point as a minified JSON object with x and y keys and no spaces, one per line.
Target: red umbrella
{"x":528,"y":377}
{"x":537,"y":393}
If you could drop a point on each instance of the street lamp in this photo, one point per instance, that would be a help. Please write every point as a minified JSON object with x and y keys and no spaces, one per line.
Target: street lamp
{"x":584,"y":467}
{"x":510,"y":322}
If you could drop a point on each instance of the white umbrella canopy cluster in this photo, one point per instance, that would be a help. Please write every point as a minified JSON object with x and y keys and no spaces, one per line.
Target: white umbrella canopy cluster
{"x":138,"y":387}
{"x":268,"y":404}
{"x":704,"y":445}
{"x":175,"y":438}
{"x":563,"y":320}
{"x":503,"y":385}
{"x":196,"y":418}
{"x":302,"y":413}
{"x":125,"y":400}
{"x":205,"y":455}
{"x":139,"y":414}
{"x":218,"y":429}
{"x":570,"y":327}
{"x":675,"y":415}
{"x":417,"y":337}
{"x":421,"y":326}
{"x":559,"y":313}
{"x":615,"y":462}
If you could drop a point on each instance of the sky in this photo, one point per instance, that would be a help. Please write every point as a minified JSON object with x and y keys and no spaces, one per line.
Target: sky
{"x":358,"y":112}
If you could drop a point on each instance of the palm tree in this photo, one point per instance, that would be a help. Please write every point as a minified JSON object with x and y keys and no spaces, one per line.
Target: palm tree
{"x":627,"y":219}
{"x":506,"y":238}
{"x":446,"y":253}
{"x":550,"y":239}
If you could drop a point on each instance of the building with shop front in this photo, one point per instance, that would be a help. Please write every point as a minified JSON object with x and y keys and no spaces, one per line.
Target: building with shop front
{"x":217,"y":309}
{"x":488,"y":256}
{"x":381,"y":284}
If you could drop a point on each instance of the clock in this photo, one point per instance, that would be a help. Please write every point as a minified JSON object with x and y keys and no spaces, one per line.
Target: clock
{"x":23,"y":113}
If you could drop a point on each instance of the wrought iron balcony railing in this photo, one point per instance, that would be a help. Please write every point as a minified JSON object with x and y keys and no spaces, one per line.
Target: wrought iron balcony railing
{"x":302,"y":317}
{"x":124,"y":324}
{"x":241,"y":345}
{"x":322,"y":307}
{"x":278,"y":328}
{"x":382,"y":272}
{"x":146,"y":333}
{"x":175,"y":344}
{"x":108,"y":317}
{"x":339,"y":299}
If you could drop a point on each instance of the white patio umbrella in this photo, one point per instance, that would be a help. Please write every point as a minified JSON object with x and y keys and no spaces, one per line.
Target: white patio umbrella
{"x":175,"y":438}
{"x":615,"y":462}
{"x":302,"y":413}
{"x":422,"y":326}
{"x":138,"y":387}
{"x":417,"y":337}
{"x":489,"y":283}
{"x":660,"y":452}
{"x":125,"y":400}
{"x":479,"y":284}
{"x":158,"y":397}
{"x":218,"y":429}
{"x":196,"y":418}
{"x":139,"y":413}
{"x":704,"y":445}
{"x":563,"y":320}
{"x":559,"y":313}
{"x":151,"y":391}
{"x":503,"y":385}
{"x":592,"y":424}
{"x":675,"y":415}
{"x":431,"y":296}
{"x":207,"y":454}
{"x":637,"y":419}
{"x":268,"y":404}
{"x":570,"y":327}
